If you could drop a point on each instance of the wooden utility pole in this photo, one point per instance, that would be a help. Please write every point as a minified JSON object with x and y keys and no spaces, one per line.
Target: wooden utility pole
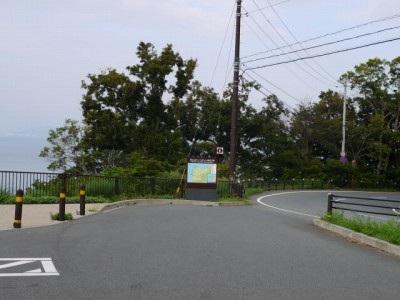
{"x":235,"y":96}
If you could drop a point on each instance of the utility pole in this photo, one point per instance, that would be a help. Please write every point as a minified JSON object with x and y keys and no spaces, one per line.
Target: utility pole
{"x":343,"y":158}
{"x":344,"y":118}
{"x":235,"y":96}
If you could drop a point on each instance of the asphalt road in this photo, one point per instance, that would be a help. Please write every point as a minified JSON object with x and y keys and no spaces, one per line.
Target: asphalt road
{"x":195,"y":252}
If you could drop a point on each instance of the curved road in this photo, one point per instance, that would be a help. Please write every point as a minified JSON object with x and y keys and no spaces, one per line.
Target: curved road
{"x":265,"y":251}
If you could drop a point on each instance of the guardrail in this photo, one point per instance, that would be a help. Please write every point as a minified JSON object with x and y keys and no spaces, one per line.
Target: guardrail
{"x":384,"y":207}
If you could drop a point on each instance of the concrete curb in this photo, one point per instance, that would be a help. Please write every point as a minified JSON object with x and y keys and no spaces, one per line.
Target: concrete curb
{"x":359,"y":237}
{"x":168,"y":201}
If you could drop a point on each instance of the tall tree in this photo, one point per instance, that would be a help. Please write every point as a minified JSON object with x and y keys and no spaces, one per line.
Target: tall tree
{"x":265,"y":141}
{"x":128,"y":112}
{"x":376,"y":81}
{"x":66,"y":150}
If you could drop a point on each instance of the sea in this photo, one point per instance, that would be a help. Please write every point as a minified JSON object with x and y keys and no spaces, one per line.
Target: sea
{"x":21,"y":153}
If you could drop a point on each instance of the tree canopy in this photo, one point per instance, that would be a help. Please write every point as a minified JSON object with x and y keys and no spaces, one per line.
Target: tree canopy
{"x":145,"y":122}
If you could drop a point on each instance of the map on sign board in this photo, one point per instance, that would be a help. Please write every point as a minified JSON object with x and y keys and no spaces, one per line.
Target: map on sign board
{"x":202,"y":173}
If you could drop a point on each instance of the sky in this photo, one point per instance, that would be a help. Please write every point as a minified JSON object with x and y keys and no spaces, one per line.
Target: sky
{"x":48,"y":47}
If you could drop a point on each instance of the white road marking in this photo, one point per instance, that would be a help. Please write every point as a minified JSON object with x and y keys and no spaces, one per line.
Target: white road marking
{"x":47,"y":264}
{"x":286,"y":210}
{"x":17,"y":263}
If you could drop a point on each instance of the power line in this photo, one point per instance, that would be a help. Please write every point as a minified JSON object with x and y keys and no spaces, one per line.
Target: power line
{"x":322,"y":45}
{"x":222,"y":45}
{"x":291,"y":71}
{"x":291,"y":33}
{"x":284,"y":40}
{"x":270,"y":6}
{"x":324,"y":54}
{"x":290,"y":107}
{"x":275,"y":86}
{"x":300,"y":67}
{"x":328,"y":34}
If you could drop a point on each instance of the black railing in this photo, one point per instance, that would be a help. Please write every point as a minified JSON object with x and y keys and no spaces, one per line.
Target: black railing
{"x":49,"y":184}
{"x":292,"y":184}
{"x":384,"y":207}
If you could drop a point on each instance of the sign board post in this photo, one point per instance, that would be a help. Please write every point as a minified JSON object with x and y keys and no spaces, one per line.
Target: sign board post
{"x":201,"y":181}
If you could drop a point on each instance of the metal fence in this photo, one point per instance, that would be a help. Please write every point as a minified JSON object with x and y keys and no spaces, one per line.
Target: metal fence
{"x":293,"y":184}
{"x":384,"y":207}
{"x":49,"y":184}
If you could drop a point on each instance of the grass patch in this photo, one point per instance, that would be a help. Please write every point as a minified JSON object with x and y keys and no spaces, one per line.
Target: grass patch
{"x":384,"y":230}
{"x":233,"y":199}
{"x":253,"y":191}
{"x":56,"y":216}
{"x":245,"y":199}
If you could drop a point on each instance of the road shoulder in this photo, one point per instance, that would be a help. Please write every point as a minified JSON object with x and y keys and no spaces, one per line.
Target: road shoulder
{"x":359,"y":237}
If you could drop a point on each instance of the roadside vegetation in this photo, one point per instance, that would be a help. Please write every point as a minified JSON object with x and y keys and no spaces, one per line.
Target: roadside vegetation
{"x":388,"y":230}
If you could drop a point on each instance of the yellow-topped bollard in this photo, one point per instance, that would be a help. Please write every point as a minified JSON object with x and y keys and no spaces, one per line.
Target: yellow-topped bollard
{"x":82,"y":199}
{"x":18,"y":209}
{"x":61,"y":211}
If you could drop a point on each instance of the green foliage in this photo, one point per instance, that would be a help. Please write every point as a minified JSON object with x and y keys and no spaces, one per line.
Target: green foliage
{"x":235,"y":199}
{"x":66,"y":150}
{"x":6,"y":198}
{"x":51,"y":200}
{"x":385,"y":230}
{"x":146,"y":122}
{"x":253,"y":191}
{"x":128,"y":114}
{"x":339,"y":173}
{"x":56,"y":216}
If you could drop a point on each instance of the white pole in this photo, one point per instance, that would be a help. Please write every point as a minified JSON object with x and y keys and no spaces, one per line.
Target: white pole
{"x":344,"y":118}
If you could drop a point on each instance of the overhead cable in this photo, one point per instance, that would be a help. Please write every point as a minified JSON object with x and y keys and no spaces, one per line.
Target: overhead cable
{"x":291,"y":33}
{"x":275,"y":86}
{"x":326,"y":35}
{"x":299,"y":66}
{"x":288,"y":68}
{"x":260,"y":9}
{"x":306,"y":63}
{"x":222,"y":45}
{"x":322,"y":45}
{"x":271,"y":93}
{"x":323,"y":54}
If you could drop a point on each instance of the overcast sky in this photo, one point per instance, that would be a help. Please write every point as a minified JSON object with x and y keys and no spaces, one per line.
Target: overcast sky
{"x":48,"y":47}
